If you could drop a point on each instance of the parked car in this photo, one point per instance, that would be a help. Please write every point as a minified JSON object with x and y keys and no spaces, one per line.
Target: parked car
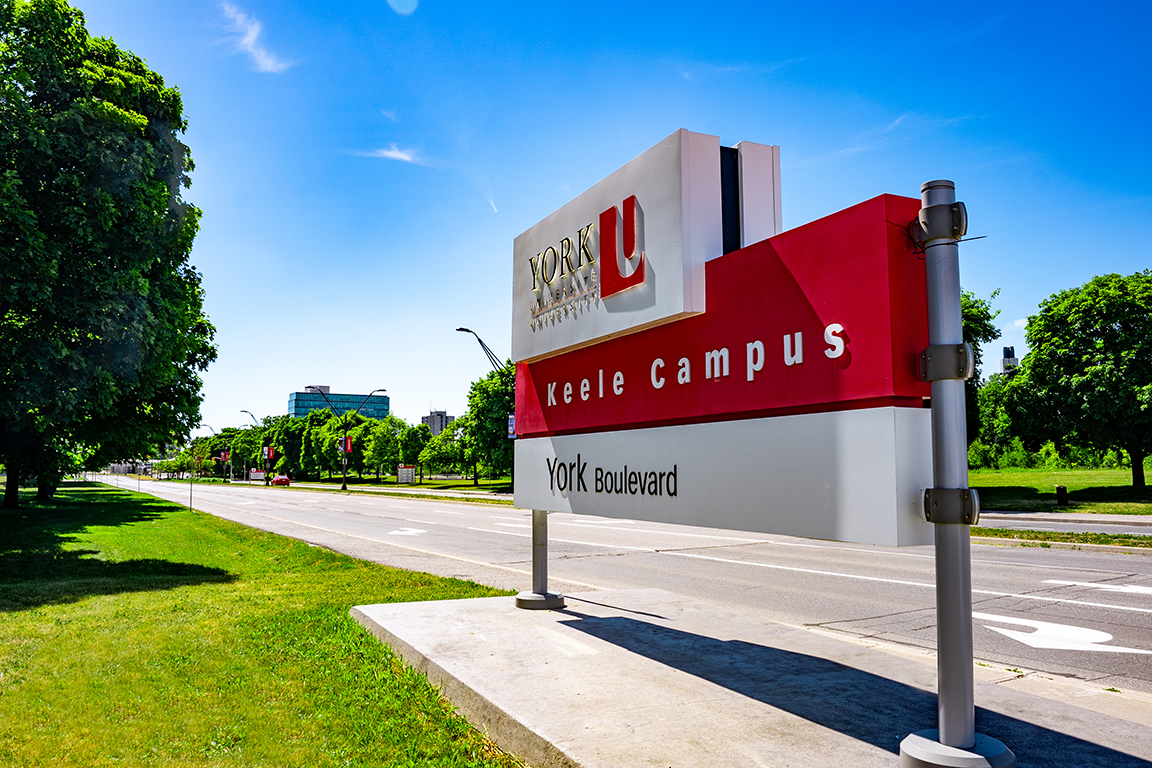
{"x":281,"y":480}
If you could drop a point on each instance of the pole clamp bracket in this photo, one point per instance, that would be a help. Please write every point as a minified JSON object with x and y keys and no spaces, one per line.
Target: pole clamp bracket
{"x":952,"y":506}
{"x":947,"y":361}
{"x":948,"y":221}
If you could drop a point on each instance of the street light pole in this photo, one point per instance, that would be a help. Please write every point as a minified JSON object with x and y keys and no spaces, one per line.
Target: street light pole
{"x":344,"y":421}
{"x":491,"y":357}
{"x":253,"y":417}
{"x":192,"y":473}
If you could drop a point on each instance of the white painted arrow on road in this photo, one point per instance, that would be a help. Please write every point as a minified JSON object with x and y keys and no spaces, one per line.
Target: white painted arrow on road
{"x":1132,"y":589}
{"x":1059,"y":637}
{"x":407,"y":532}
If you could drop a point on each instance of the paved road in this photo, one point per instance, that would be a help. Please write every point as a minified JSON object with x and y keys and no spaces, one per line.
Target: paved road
{"x":1090,"y":612}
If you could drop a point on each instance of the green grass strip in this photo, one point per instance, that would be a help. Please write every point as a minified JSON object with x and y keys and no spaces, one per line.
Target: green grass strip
{"x":134,"y":632}
{"x":1092,"y":491}
{"x":1070,"y":537}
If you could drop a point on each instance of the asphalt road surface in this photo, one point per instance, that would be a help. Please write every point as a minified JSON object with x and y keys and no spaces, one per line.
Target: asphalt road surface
{"x":1082,"y":614}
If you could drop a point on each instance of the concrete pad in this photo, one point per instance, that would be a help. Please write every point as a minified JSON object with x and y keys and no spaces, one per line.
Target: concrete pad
{"x":649,"y":678}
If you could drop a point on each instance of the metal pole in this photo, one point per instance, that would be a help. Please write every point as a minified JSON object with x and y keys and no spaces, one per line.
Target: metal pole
{"x":954,"y":657}
{"x":956,"y":705}
{"x":539,"y":597}
{"x":344,"y":457}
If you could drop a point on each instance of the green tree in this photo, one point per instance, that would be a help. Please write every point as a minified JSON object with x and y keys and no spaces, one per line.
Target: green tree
{"x":383,"y":449}
{"x":1089,"y":365}
{"x":412,"y":442}
{"x":102,"y":333}
{"x":445,"y":451}
{"x":490,"y":400}
{"x":331,"y":432}
{"x":978,"y":328}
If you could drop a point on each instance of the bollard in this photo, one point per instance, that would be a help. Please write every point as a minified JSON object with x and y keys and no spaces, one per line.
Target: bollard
{"x":1061,"y":496}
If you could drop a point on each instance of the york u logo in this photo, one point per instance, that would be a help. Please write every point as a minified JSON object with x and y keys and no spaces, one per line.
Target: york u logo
{"x":618,"y":238}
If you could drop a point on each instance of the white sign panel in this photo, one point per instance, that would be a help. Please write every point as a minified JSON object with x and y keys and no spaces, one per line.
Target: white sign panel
{"x":626,"y":254}
{"x":854,"y":475}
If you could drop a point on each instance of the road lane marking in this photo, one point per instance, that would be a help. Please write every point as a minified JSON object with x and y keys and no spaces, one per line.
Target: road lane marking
{"x":399,"y":506}
{"x":245,"y":502}
{"x":422,"y":522}
{"x":858,"y":577}
{"x":1132,"y":589}
{"x":514,"y":525}
{"x":668,"y":533}
{"x":445,"y":511}
{"x":407,"y":532}
{"x":1057,"y":637}
{"x":565,"y":541}
{"x":498,"y":517}
{"x":414,"y":549}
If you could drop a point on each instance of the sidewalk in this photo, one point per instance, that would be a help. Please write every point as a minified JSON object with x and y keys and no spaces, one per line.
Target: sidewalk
{"x":1080,"y":518}
{"x":649,"y":678}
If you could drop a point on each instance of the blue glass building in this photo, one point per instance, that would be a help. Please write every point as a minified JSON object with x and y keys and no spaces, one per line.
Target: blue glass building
{"x":301,"y":403}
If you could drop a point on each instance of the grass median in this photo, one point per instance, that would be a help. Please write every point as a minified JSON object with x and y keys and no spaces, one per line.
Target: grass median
{"x":1066,"y":537}
{"x":134,"y":632}
{"x":1099,"y":491}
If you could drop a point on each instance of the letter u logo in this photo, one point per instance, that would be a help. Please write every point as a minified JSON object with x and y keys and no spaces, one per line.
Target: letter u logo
{"x":612,"y":278}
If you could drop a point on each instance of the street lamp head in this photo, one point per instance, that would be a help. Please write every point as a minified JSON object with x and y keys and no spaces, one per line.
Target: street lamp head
{"x":465,"y":330}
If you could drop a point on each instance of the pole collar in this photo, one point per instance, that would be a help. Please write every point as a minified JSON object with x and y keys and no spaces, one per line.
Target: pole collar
{"x":947,"y":361}
{"x":952,"y":506}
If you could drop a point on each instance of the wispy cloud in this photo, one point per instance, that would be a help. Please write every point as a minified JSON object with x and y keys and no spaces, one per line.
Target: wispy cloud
{"x":892,"y":132}
{"x":404,"y":7}
{"x":704,"y":70}
{"x":247,"y":29}
{"x":389,"y":113}
{"x":395,"y":153}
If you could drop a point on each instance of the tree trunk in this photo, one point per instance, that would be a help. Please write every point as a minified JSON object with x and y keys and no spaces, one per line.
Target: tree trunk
{"x":45,"y":488}
{"x":475,"y":475}
{"x":1137,"y":459}
{"x":12,"y":486}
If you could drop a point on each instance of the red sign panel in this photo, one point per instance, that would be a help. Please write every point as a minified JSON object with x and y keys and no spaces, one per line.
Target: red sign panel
{"x":828,"y":316}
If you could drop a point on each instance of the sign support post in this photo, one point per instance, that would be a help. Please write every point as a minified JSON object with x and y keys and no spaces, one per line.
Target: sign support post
{"x":539,"y":597}
{"x":951,"y":505}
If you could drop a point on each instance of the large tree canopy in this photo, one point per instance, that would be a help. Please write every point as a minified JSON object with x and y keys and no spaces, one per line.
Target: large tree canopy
{"x":1089,"y":367}
{"x":490,"y":401}
{"x":102,"y":332}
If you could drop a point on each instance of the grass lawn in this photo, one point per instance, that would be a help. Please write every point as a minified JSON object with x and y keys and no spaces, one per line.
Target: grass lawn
{"x":1102,"y":491}
{"x":133,"y":632}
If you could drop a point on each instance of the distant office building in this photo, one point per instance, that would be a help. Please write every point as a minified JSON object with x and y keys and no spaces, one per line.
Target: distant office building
{"x":302,"y":403}
{"x":437,"y":420}
{"x":1009,"y":361}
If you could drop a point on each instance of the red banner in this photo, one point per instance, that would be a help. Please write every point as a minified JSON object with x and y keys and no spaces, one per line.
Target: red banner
{"x":828,"y":316}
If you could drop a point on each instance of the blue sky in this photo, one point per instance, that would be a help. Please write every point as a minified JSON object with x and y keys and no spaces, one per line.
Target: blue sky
{"x":363,"y":167}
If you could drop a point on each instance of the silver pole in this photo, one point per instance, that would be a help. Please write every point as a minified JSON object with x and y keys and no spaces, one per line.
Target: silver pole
{"x":540,"y":551}
{"x":539,"y":597}
{"x":956,"y":707}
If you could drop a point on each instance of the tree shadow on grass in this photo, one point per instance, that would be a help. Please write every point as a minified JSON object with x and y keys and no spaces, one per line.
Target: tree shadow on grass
{"x":37,"y":569}
{"x":859,"y":704}
{"x":1025,"y":498}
